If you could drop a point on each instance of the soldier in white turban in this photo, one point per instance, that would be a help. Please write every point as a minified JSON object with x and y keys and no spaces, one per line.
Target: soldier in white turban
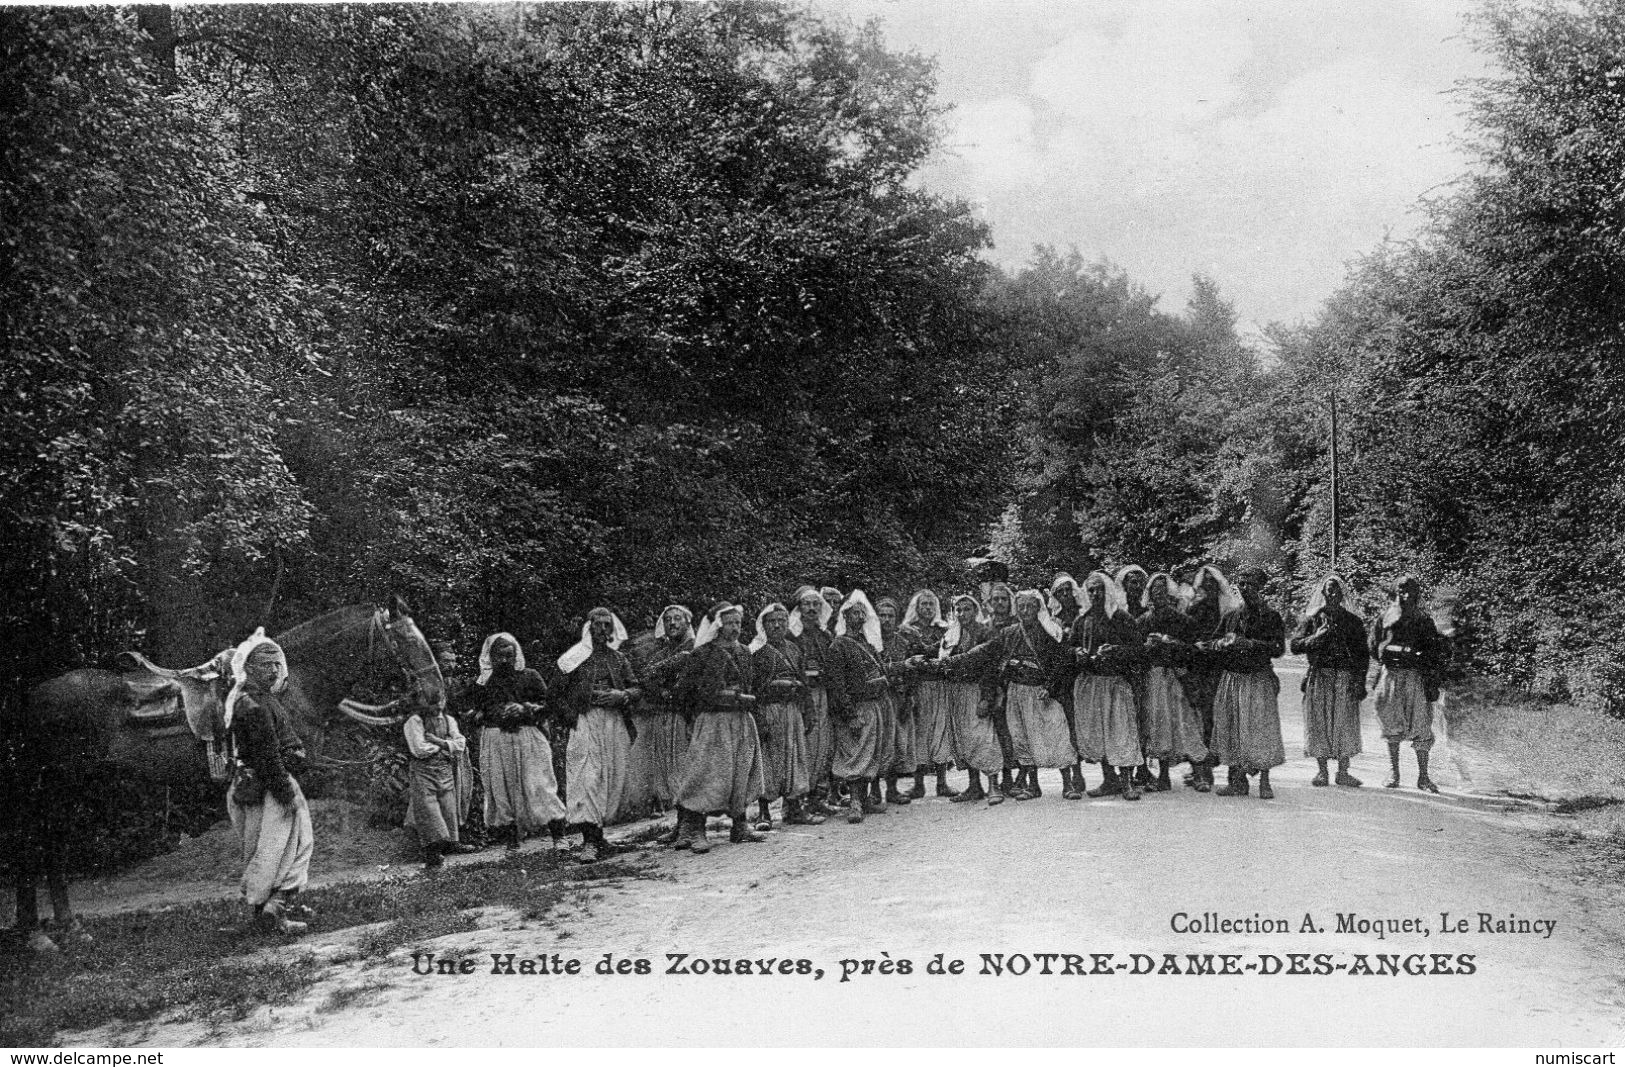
{"x":722,"y":770}
{"x":266,"y":806}
{"x":857,"y":687}
{"x":1334,"y":640}
{"x":600,"y":689}
{"x":516,"y":758}
{"x":780,"y":686}
{"x":809,"y":628}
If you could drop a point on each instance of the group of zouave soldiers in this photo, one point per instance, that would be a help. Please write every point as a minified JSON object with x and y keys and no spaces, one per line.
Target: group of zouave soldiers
{"x":835,"y":699}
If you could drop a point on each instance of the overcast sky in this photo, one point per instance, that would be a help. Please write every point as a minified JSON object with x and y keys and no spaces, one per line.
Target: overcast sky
{"x":1265,"y":143}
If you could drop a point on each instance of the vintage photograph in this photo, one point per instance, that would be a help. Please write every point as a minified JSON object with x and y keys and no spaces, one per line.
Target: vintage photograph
{"x":841,"y":523}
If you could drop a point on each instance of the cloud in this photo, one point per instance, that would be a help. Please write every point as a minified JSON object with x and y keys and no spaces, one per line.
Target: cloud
{"x":1178,"y":138}
{"x":1263,"y":142}
{"x":1171,"y":65}
{"x":1001,"y":140}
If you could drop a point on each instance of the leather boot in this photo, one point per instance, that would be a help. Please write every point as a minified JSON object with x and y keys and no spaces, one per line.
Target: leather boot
{"x":685,"y":828}
{"x":741,"y":833}
{"x":701,"y":843}
{"x":867,"y":794}
{"x":672,"y":836}
{"x":796,"y":814}
{"x":1236,"y":786}
{"x":434,"y":856}
{"x":271,"y":920}
{"x":817,"y":803}
{"x":971,"y":792}
{"x":1131,"y":791}
{"x":1110,"y":786}
{"x":593,"y":845}
{"x":1423,"y":782}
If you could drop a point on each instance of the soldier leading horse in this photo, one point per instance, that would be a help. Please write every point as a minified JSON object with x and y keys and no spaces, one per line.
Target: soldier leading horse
{"x":164,"y":726}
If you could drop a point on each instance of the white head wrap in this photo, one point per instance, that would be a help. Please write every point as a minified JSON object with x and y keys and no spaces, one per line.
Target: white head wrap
{"x":1061,"y":580}
{"x":577,"y":654}
{"x":760,"y":640}
{"x":712,"y":623}
{"x":660,"y":623}
{"x":1125,"y":571}
{"x":485,"y":655}
{"x":911,"y":616}
{"x":239,"y":669}
{"x":824,"y":610}
{"x":1229,"y":596}
{"x":950,"y":640}
{"x":1166,"y":579}
{"x":1116,"y":601}
{"x":871,"y":624}
{"x":1317,"y":599}
{"x":1045,"y":619}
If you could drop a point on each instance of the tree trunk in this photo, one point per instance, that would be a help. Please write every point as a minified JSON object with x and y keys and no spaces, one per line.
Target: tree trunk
{"x":157,"y":21}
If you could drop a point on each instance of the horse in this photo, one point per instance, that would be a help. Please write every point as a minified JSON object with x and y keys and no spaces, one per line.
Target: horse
{"x":165,"y":726}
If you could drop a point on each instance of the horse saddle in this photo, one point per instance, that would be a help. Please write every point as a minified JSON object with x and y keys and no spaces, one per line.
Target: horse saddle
{"x":156,"y":697}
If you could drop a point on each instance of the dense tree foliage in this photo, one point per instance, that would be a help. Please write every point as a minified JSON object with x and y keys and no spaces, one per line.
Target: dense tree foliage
{"x":519,"y":309}
{"x":1484,"y":369}
{"x":1478,"y":368}
{"x":144,"y":326}
{"x":1155,"y":438}
{"x":513,"y":310}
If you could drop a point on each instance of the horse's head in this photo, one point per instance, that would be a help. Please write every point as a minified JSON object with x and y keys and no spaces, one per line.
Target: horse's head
{"x":352,"y":644}
{"x":412,"y":654}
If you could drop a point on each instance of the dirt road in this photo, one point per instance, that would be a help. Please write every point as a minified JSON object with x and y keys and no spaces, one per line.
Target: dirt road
{"x":1053,"y":876}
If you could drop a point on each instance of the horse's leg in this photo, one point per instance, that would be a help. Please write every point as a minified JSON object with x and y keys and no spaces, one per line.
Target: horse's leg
{"x":19,"y":835}
{"x":27,"y":879}
{"x":56,"y":871}
{"x":28,"y":844}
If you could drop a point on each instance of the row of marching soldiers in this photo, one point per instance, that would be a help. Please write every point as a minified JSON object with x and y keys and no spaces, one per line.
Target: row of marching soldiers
{"x":835,"y":700}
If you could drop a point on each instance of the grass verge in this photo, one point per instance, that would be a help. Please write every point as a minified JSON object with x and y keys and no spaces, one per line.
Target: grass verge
{"x":1569,"y":757}
{"x":200,"y":962}
{"x":1566,"y":755}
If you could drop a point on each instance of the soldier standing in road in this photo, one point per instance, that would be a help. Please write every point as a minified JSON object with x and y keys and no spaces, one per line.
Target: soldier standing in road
{"x":1246,"y":711}
{"x":722,"y":770}
{"x":1410,"y":652}
{"x":1334,"y":640}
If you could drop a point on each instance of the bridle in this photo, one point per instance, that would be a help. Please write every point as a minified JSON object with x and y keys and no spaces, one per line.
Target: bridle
{"x":387,"y":632}
{"x":391,"y":632}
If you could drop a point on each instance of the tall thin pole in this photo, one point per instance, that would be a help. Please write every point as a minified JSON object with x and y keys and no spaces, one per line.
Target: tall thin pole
{"x":1334,"y":480}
